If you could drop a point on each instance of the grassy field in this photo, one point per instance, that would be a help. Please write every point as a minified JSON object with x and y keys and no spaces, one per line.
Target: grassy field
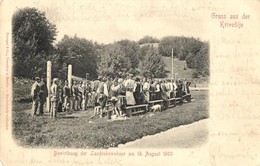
{"x":77,"y":130}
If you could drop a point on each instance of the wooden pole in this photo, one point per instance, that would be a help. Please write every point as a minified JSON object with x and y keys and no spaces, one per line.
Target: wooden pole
{"x":70,"y":75}
{"x":48,"y":79}
{"x":172,"y":65}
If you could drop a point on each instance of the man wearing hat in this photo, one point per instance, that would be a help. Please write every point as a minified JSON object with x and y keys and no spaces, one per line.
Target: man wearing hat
{"x":96,"y":84}
{"x":138,"y":91}
{"x":43,"y":93}
{"x":35,"y":95}
{"x":54,"y":97}
{"x":120,"y":97}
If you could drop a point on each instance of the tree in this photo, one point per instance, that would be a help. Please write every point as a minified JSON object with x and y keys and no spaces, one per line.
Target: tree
{"x":199,"y":61}
{"x":167,"y":44}
{"x":148,"y":39}
{"x":143,"y":51}
{"x":202,"y":60}
{"x":132,"y":51}
{"x":113,"y":61}
{"x":78,"y":52}
{"x":152,"y":65}
{"x":190,"y":61}
{"x":33,"y":36}
{"x":181,"y":46}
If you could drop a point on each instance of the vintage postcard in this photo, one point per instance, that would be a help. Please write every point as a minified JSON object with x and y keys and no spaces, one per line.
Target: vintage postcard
{"x":130,"y":82}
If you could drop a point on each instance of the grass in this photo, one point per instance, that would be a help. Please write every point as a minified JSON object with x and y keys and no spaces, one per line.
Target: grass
{"x":22,"y":89}
{"x":178,"y":67}
{"x":76,"y":130}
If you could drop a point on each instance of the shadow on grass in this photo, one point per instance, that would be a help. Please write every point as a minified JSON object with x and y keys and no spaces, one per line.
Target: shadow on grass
{"x":70,"y":131}
{"x":68,"y":117}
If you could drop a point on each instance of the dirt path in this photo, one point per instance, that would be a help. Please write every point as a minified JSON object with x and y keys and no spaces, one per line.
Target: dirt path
{"x":187,"y":136}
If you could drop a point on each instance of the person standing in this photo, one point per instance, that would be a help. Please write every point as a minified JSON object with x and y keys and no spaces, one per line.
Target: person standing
{"x":164,"y":96}
{"x":66,"y":96}
{"x":89,"y":99}
{"x":60,"y":91}
{"x":168,"y":88}
{"x":152,"y":89}
{"x":96,"y":83}
{"x":54,"y":98}
{"x":80,"y":91}
{"x":138,"y":91}
{"x":43,"y":94}
{"x":158,"y":90}
{"x":120,"y":93}
{"x":102,"y":95}
{"x":130,"y":84}
{"x":35,"y":95}
{"x":73,"y":96}
{"x":146,"y":90}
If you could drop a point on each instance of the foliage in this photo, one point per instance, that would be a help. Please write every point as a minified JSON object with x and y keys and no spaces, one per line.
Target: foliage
{"x":131,"y":51}
{"x":181,"y":46}
{"x":194,"y":51}
{"x":33,"y":36}
{"x":148,"y":39}
{"x":199,"y":61}
{"x":152,"y":64}
{"x":78,"y":52}
{"x":167,"y":44}
{"x":203,"y":60}
{"x":143,"y":51}
{"x":113,"y":61}
{"x":191,"y":60}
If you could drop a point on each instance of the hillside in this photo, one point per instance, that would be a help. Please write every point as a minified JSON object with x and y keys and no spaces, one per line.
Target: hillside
{"x":178,"y":67}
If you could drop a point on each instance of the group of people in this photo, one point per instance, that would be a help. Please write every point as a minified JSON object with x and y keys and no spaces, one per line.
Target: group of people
{"x":119,"y":92}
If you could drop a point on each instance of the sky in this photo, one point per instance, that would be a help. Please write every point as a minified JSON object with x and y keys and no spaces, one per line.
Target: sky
{"x":105,"y":22}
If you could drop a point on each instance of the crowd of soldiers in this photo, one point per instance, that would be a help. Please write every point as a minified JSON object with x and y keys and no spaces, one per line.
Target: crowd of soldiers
{"x":119,"y":92}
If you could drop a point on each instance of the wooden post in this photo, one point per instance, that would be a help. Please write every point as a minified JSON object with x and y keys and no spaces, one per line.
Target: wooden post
{"x":48,"y":79}
{"x":172,"y":65}
{"x":87,"y":74}
{"x":70,"y":75}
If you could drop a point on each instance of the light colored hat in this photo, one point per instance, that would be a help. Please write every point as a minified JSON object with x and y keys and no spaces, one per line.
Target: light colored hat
{"x":55,"y":79}
{"x":113,"y":98}
{"x":120,"y":80}
{"x":37,"y":78}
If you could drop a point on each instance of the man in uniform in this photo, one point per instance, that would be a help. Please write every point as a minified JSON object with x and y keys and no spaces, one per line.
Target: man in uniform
{"x":35,"y":95}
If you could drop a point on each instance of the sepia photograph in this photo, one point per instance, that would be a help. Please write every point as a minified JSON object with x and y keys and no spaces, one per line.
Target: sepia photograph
{"x":75,"y":90}
{"x":129,"y":82}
